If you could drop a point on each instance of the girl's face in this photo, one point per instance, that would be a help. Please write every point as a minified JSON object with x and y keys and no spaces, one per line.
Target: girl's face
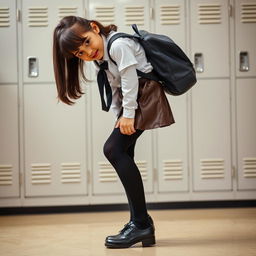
{"x":93,"y":47}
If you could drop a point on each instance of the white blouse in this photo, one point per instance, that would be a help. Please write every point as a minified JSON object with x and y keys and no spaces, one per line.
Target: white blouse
{"x":129,"y":55}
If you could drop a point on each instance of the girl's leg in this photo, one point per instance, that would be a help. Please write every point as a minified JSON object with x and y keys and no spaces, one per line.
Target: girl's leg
{"x":130,"y":152}
{"x":119,"y":150}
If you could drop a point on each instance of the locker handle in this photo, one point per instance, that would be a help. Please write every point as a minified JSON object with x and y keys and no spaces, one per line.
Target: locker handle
{"x":244,"y":61}
{"x":33,"y":67}
{"x":199,"y":62}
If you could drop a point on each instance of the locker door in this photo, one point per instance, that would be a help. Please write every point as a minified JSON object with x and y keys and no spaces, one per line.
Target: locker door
{"x":9,"y":146}
{"x":121,"y":13}
{"x":246,"y":136}
{"x":105,"y":179}
{"x":170,"y":20}
{"x":211,"y":135}
{"x":39,"y":19}
{"x":245,"y":51}
{"x":211,"y":130}
{"x":245,"y":23}
{"x":8,"y":43}
{"x":172,"y":157}
{"x":55,"y":133}
{"x":210,"y":37}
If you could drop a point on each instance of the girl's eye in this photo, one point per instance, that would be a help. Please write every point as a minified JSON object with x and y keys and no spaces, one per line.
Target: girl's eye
{"x":87,"y":42}
{"x":80,"y":53}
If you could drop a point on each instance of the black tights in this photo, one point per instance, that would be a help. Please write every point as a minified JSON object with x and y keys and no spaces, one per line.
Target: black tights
{"x":119,"y":150}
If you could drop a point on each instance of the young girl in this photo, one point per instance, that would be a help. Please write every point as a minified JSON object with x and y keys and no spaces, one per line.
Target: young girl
{"x":138,"y":103}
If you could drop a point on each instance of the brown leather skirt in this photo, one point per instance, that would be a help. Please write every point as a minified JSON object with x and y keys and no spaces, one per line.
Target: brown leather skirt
{"x":153,"y":109}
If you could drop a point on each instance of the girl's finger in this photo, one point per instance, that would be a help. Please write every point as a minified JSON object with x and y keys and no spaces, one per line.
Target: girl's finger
{"x":117,"y":124}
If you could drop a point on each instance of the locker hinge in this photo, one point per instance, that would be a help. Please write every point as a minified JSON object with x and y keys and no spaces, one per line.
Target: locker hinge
{"x":85,"y":13}
{"x":230,"y":10}
{"x":88,"y":177}
{"x":233,"y":172}
{"x":155,"y":176}
{"x":20,"y":178}
{"x":151,"y":13}
{"x":18,"y":15}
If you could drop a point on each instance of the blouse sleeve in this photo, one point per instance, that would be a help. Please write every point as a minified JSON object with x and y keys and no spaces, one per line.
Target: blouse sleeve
{"x":129,"y":85}
{"x":116,"y":101}
{"x":124,"y":57}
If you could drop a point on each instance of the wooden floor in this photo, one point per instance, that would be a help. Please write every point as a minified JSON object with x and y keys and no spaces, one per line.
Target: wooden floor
{"x":222,"y":232}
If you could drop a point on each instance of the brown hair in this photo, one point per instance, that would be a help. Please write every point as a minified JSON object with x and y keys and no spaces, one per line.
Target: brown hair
{"x":67,"y":38}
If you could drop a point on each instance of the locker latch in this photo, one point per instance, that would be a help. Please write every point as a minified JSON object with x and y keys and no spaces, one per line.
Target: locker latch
{"x":33,"y":67}
{"x":199,"y":62}
{"x":244,"y":61}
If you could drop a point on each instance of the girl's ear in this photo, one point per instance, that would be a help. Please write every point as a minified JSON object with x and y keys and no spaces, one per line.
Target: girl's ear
{"x":95,"y":28}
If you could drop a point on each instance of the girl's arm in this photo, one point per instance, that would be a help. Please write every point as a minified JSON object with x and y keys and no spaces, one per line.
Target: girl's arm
{"x":123,"y":54}
{"x":116,"y":101}
{"x":129,"y":85}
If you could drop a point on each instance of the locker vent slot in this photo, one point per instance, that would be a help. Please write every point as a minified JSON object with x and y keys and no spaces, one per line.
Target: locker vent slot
{"x":40,"y":173}
{"x":66,"y":11}
{"x":249,"y":167}
{"x":248,"y":13}
{"x":172,"y":169}
{"x":70,"y":173}
{"x":38,"y":17}
{"x":107,"y":173}
{"x":142,"y":165}
{"x":170,"y":14}
{"x":209,"y":14}
{"x":5,"y":174}
{"x":4,"y":17}
{"x":212,"y":168}
{"x":134,"y":14}
{"x":105,"y":15}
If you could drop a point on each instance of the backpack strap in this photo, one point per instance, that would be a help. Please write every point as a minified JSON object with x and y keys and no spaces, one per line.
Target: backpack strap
{"x":113,"y":38}
{"x":151,"y":75}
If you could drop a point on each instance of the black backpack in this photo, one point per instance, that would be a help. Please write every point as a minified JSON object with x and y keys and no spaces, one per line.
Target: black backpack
{"x":170,"y":64}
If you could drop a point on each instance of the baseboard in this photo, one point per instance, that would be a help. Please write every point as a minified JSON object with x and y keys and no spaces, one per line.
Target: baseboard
{"x":124,"y":207}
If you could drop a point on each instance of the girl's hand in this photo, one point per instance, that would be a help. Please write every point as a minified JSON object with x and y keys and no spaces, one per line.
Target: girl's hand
{"x":126,"y":125}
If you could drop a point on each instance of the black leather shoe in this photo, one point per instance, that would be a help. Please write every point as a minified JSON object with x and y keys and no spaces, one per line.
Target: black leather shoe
{"x":151,"y":221}
{"x":131,"y":235}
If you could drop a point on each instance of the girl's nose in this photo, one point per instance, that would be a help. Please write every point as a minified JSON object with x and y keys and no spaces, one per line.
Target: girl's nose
{"x":90,"y":53}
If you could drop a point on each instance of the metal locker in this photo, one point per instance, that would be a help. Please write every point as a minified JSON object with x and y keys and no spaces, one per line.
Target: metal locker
{"x":39,"y":19}
{"x":9,"y":145}
{"x":170,"y":19}
{"x":121,"y":13}
{"x":172,"y":157}
{"x":245,"y":38}
{"x":8,"y":43}
{"x":211,"y":135}
{"x":210,"y":37}
{"x":172,"y":150}
{"x":211,"y":115}
{"x":9,"y":156}
{"x":54,"y":133}
{"x":246,"y":136}
{"x":105,"y":179}
{"x":55,"y":143}
{"x":245,"y":52}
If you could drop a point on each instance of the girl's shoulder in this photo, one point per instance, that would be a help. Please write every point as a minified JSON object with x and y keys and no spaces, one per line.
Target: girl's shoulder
{"x":122,"y":42}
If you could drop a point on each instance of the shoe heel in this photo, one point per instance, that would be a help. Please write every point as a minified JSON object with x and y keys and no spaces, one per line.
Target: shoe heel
{"x":148,"y":241}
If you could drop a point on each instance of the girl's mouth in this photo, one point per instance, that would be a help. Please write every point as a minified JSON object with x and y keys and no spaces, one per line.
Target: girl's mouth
{"x":95,"y":55}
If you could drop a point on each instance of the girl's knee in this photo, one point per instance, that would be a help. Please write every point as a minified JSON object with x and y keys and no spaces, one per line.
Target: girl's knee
{"x":111,"y":151}
{"x":108,"y":150}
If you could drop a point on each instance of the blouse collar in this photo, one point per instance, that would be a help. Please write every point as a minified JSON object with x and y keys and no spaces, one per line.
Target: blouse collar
{"x":105,"y":44}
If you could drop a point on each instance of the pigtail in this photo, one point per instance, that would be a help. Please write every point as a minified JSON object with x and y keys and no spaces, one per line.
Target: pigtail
{"x":66,"y":74}
{"x":74,"y":90}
